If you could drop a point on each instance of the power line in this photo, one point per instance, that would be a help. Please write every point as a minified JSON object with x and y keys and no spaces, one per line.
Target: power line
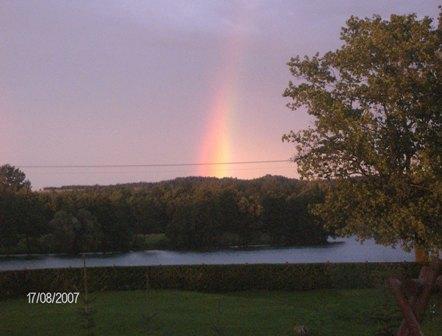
{"x":154,"y":164}
{"x":143,"y":172}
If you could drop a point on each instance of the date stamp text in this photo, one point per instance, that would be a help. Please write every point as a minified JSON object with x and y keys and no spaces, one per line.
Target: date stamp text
{"x":53,"y":297}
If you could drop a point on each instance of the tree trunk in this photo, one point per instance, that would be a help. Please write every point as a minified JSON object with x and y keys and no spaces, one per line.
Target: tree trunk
{"x":421,"y":256}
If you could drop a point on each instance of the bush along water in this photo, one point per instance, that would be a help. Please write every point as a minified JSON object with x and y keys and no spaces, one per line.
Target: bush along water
{"x":207,"y":278}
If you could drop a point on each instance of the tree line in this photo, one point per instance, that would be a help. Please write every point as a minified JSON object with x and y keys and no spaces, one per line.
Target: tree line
{"x":185,"y":213}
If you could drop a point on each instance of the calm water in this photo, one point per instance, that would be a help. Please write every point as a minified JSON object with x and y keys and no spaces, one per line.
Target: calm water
{"x":341,"y":250}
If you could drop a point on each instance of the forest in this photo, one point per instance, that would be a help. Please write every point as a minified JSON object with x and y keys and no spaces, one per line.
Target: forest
{"x":191,"y":213}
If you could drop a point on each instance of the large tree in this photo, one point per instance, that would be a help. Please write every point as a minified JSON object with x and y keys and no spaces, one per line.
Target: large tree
{"x":12,"y":178}
{"x":22,"y":213}
{"x":376,"y":104}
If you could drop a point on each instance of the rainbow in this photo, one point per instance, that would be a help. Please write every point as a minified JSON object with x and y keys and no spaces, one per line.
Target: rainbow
{"x":217,"y":140}
{"x":216,"y":146}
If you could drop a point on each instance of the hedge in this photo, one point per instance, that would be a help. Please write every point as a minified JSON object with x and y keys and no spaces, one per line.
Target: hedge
{"x":207,"y":278}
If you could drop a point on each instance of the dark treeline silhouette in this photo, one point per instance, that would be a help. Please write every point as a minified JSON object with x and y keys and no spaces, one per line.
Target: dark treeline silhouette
{"x":184,"y":213}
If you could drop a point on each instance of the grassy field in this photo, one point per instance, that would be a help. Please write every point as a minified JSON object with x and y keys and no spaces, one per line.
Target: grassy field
{"x":324,"y":312}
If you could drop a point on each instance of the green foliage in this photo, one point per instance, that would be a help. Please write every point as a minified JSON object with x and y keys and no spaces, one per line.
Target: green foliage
{"x":23,"y":215}
{"x":208,"y":278}
{"x":214,"y":218}
{"x":185,"y":213}
{"x":289,"y":221}
{"x":153,"y":241}
{"x":74,"y":233}
{"x":376,"y":103}
{"x":24,"y":220}
{"x":12,"y":178}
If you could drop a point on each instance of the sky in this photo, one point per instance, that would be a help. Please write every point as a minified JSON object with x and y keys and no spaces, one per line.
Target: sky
{"x":159,"y":82}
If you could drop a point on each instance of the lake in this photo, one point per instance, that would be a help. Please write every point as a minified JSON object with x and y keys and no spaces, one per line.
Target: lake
{"x":339,"y":250}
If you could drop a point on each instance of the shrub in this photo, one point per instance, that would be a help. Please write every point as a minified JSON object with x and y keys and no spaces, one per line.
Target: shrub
{"x":207,"y":278}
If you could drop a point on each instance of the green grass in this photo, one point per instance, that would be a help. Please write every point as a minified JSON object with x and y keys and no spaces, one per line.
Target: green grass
{"x":151,"y":241}
{"x":324,"y":312}
{"x":155,"y":239}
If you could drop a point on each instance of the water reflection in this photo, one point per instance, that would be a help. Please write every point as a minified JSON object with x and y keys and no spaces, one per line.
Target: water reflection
{"x":340,"y":250}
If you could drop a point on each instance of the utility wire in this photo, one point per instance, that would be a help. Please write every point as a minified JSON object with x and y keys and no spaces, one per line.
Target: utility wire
{"x":154,"y":164}
{"x":142,"y":172}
